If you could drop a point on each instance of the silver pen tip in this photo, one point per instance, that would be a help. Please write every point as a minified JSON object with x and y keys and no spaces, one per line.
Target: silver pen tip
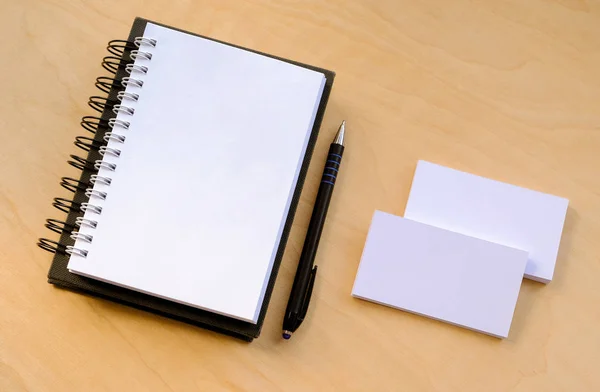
{"x":339,"y":137}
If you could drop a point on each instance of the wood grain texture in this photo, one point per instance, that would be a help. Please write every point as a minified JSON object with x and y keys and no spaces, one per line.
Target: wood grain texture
{"x":503,"y":89}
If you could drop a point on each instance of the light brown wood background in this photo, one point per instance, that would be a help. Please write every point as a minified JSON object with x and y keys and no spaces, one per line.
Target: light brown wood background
{"x":505,"y":89}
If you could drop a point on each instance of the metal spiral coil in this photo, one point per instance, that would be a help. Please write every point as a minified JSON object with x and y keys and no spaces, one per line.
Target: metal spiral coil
{"x":135,"y":54}
{"x":113,"y":122}
{"x":115,"y":152}
{"x":93,"y":123}
{"x":73,"y":185}
{"x":87,"y":143}
{"x":75,"y":235}
{"x":130,"y":68}
{"x":108,"y":136}
{"x":118,"y":47}
{"x":58,"y":226}
{"x":120,"y":62}
{"x":81,"y":163}
{"x":112,"y":63}
{"x":139,"y":41}
{"x":71,"y":250}
{"x":65,"y":205}
{"x":52,"y":246}
{"x":100,"y":164}
{"x":95,"y":193}
{"x":126,"y":81}
{"x":84,"y":207}
{"x":100,"y":104}
{"x":81,"y":221}
{"x":105,"y":84}
{"x":94,"y":178}
{"x":123,"y":109}
{"x":122,"y":95}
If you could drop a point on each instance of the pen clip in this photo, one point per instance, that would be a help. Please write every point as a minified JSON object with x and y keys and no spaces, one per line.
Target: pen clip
{"x":308,"y":294}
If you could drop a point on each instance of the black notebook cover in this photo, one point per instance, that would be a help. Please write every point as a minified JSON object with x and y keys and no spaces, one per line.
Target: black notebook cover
{"x":60,"y":276}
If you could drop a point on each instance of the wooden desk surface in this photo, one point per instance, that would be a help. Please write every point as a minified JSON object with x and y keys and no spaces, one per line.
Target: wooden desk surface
{"x":507,"y":90}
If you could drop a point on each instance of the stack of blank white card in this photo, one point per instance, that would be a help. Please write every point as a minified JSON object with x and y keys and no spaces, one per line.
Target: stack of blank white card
{"x":460,"y":252}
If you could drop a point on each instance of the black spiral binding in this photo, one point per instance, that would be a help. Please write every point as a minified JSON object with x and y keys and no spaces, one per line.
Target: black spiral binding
{"x":120,"y":63}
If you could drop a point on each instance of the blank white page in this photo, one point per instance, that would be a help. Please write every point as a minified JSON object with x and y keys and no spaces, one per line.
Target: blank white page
{"x":440,"y":274}
{"x":490,"y":210}
{"x":202,"y":189}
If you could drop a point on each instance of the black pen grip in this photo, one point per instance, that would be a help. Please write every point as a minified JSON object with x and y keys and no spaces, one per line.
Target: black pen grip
{"x":296,"y":307}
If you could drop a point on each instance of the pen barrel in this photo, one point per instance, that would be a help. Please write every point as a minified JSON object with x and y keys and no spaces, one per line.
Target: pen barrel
{"x":319,"y":214}
{"x":313,"y":235}
{"x":332,"y":165}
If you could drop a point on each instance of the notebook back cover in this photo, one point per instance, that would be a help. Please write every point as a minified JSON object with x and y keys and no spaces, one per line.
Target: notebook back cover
{"x":60,"y":276}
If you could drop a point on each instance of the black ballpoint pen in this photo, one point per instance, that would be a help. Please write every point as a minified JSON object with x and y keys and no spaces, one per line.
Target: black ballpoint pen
{"x":305,"y":274}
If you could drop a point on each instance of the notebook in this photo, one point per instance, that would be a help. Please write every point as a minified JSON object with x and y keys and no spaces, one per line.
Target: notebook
{"x":192,"y":178}
{"x":440,"y":274}
{"x":490,"y":210}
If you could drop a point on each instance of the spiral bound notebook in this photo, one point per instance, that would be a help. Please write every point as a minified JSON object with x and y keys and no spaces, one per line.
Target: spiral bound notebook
{"x":192,"y":178}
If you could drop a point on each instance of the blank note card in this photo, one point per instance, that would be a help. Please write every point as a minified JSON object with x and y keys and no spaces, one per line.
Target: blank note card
{"x":490,"y":210}
{"x":440,"y":274}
